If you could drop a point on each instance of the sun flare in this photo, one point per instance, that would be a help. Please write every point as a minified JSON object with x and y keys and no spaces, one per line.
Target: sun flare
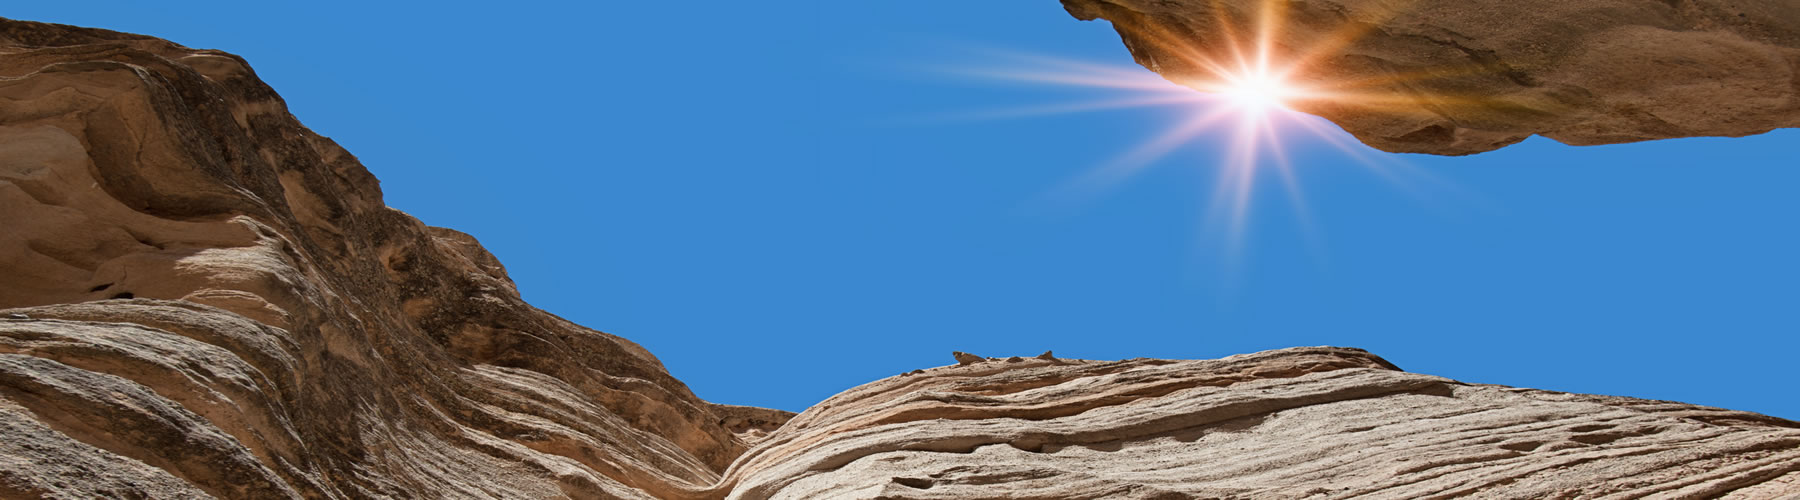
{"x":1257,"y":92}
{"x":1249,"y":102}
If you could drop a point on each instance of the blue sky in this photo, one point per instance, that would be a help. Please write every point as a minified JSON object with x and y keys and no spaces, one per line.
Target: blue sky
{"x":749,"y":189}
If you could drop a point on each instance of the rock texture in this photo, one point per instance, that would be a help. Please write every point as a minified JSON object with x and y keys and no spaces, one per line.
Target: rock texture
{"x":1457,"y":77}
{"x":218,"y":303}
{"x":1296,"y":423}
{"x":199,"y":297}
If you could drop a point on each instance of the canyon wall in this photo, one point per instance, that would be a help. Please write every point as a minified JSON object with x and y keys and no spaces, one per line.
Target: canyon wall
{"x":202,"y":296}
{"x":199,"y":297}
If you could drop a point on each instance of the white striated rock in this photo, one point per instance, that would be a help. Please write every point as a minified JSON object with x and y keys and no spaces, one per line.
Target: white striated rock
{"x":1296,"y":423}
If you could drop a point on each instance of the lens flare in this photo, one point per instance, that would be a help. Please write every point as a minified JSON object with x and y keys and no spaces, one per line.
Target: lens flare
{"x":1247,"y":95}
{"x":1257,"y":94}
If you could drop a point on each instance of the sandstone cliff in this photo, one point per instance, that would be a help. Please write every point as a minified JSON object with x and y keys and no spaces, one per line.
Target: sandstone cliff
{"x":1466,"y":76}
{"x":208,"y":298}
{"x":199,"y":297}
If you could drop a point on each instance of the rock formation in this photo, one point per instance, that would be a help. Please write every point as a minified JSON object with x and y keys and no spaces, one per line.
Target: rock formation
{"x":220,"y":304}
{"x":1295,"y":423}
{"x":1457,"y":77}
{"x":199,"y":297}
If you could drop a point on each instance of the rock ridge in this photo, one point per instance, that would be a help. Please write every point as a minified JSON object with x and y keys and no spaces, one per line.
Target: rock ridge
{"x":1456,"y":77}
{"x":219,"y":304}
{"x":1315,"y":422}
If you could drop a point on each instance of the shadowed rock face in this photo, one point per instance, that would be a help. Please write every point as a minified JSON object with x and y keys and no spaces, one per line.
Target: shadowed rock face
{"x":1454,"y":77}
{"x":199,"y":297}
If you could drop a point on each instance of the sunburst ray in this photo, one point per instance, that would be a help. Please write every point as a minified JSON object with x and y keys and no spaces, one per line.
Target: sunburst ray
{"x":1249,"y":76}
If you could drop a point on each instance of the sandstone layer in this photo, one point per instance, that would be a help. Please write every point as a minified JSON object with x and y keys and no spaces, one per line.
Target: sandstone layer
{"x":208,"y":299}
{"x":1457,"y":77}
{"x":199,"y":297}
{"x":1295,"y":423}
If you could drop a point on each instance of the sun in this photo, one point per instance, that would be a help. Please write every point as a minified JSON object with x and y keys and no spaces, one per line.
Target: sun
{"x":1257,"y":92}
{"x":1253,"y":96}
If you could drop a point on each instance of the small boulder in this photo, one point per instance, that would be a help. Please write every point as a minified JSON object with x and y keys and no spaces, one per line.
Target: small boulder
{"x":963,"y":358}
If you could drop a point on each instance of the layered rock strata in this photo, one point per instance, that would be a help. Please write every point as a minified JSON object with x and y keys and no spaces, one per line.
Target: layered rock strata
{"x":1457,"y":77}
{"x":199,"y":297}
{"x":204,"y":298}
{"x":1295,"y":423}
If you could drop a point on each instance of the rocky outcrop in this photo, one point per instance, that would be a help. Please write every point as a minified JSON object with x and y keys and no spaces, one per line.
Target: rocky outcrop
{"x":1296,"y":423}
{"x":199,"y":297}
{"x":1457,"y":77}
{"x":206,"y":298}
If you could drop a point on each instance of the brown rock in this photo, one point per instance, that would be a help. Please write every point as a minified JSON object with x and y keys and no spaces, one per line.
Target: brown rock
{"x":964,"y":359}
{"x":283,"y":333}
{"x":1457,"y":77}
{"x":751,"y":424}
{"x":204,"y":298}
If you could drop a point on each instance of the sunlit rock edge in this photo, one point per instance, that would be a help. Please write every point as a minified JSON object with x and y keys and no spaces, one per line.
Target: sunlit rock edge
{"x":1457,"y":77}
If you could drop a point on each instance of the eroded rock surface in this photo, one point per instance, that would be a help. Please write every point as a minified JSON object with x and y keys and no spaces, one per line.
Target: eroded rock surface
{"x":1465,"y":76}
{"x":218,"y":303}
{"x":1296,"y":423}
{"x":199,"y":297}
